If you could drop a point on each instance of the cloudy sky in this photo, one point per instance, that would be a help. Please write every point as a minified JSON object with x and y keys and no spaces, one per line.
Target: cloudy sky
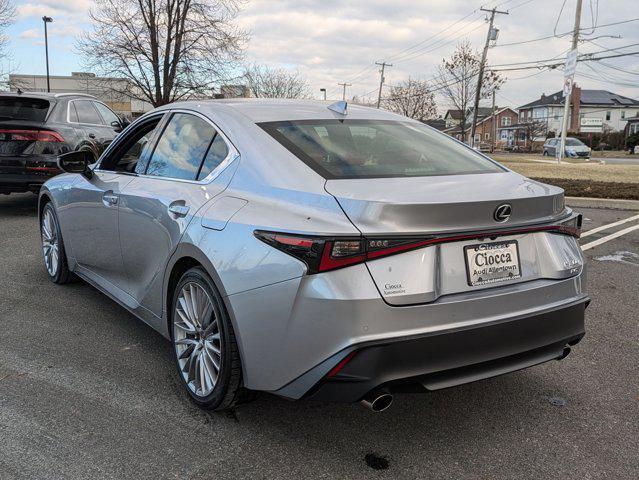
{"x":331,"y":41}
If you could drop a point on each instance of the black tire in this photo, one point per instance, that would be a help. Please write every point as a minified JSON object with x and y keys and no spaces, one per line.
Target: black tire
{"x":62,"y":275}
{"x":545,"y":154}
{"x":227,"y":390}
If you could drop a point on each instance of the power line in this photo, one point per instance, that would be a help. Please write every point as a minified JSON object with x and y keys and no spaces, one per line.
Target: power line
{"x":560,"y":34}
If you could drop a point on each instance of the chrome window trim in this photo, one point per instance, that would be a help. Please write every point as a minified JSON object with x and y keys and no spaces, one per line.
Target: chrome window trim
{"x":83,"y":123}
{"x":230,"y":157}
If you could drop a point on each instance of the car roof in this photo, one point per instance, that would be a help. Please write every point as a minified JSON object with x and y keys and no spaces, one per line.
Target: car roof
{"x":45,"y":95}
{"x":272,"y":110}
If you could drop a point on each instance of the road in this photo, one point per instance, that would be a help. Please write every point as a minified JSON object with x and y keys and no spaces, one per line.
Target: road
{"x":88,"y":391}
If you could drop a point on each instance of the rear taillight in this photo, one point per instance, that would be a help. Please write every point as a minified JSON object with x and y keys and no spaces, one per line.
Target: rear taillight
{"x":322,"y":254}
{"x":32,"y":135}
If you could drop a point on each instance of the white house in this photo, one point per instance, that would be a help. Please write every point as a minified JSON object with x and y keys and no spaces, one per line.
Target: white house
{"x":590,"y":111}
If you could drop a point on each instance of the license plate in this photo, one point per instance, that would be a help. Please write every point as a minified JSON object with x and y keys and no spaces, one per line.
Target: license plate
{"x":493,"y":262}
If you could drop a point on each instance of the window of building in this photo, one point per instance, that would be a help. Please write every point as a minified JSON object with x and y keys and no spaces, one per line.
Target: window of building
{"x":505,"y":121}
{"x":623,"y":114}
{"x":477,"y":137}
{"x":608,"y":115}
{"x":487,"y":136}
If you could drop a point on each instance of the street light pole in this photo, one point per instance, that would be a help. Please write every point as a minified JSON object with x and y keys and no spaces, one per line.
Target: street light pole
{"x":46,"y":20}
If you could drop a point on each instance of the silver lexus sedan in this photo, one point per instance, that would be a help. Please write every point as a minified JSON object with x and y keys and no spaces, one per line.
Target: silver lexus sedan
{"x":323,"y":251}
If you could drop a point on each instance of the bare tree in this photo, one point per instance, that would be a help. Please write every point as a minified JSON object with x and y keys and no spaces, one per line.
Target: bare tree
{"x":166,"y":49}
{"x":269,"y":82}
{"x":7,"y":17}
{"x":411,"y":98}
{"x":534,"y":130}
{"x":457,"y":80}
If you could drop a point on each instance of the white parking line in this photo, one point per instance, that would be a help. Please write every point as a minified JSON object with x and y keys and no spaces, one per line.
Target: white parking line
{"x":607,"y":238}
{"x":610,"y":225}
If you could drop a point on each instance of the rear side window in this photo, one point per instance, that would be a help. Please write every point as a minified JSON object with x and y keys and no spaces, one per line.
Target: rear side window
{"x":109,"y":117}
{"x":376,"y":148}
{"x":20,"y":108}
{"x":181,"y":147}
{"x":218,"y":151}
{"x":87,"y":112}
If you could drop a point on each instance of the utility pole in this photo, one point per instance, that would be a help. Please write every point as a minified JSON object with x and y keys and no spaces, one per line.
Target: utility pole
{"x":344,"y":85}
{"x":491,"y":35}
{"x":46,"y":20}
{"x":381,"y":80}
{"x":493,"y":134}
{"x":571,"y":63}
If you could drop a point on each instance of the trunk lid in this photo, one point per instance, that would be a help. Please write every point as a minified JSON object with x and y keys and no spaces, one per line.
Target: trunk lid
{"x":450,"y":203}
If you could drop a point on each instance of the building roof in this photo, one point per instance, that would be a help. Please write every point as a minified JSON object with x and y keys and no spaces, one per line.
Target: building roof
{"x":454,"y":114}
{"x":588,"y":97}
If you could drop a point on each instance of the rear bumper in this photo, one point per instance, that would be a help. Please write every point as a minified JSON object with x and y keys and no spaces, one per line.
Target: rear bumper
{"x":27,"y":173}
{"x":446,"y":359}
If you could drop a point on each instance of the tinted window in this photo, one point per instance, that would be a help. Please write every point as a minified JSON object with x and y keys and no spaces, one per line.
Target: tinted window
{"x":73,"y":114}
{"x":573,"y":142}
{"x":181,"y":147}
{"x":87,"y":113}
{"x":127,"y":154}
{"x":216,"y":154}
{"x":32,"y":109}
{"x":376,"y":148}
{"x":108,"y":116}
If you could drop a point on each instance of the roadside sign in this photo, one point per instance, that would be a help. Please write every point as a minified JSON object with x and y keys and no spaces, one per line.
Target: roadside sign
{"x":591,"y":124}
{"x":571,"y":64}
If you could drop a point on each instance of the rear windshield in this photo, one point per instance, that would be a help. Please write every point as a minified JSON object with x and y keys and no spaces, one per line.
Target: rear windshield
{"x":573,"y":142}
{"x":21,"y":108}
{"x":376,"y":148}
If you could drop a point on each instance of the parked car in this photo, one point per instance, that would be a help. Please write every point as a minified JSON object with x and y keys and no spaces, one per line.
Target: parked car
{"x":336,"y":253}
{"x":37,"y":127}
{"x":575,"y":148}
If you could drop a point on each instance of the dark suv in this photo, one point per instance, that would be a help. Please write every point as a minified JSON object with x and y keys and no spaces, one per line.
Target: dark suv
{"x":36,"y":127}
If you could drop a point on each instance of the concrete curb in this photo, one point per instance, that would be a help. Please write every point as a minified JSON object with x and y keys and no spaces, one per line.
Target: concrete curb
{"x":604,"y":203}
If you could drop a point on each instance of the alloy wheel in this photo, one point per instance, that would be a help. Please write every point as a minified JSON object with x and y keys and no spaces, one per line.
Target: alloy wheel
{"x":50,"y":243}
{"x":196,"y":337}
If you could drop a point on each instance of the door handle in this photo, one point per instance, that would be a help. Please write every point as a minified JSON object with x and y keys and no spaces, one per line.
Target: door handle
{"x":179,"y":210}
{"x":91,"y":135}
{"x":110,"y":198}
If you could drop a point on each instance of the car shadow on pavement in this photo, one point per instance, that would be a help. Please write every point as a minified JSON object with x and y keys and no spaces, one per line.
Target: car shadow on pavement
{"x":18,"y":205}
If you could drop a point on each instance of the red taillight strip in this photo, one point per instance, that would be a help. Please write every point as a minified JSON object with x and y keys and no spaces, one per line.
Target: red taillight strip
{"x":342,"y":363}
{"x":34,"y":135}
{"x":293,"y":241}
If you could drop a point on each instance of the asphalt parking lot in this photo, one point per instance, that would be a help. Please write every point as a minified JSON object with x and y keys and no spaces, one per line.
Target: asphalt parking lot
{"x":88,"y":391}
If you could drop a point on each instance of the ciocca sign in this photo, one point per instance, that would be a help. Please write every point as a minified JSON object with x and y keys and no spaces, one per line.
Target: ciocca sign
{"x":590,"y":124}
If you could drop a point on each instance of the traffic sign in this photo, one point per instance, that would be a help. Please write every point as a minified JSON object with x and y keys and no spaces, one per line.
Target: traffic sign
{"x":571,"y":64}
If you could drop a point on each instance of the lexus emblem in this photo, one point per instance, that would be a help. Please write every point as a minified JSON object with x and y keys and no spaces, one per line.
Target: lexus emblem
{"x":503,"y":212}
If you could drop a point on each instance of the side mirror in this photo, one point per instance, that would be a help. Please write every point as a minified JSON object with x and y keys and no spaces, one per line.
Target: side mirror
{"x":76,"y":162}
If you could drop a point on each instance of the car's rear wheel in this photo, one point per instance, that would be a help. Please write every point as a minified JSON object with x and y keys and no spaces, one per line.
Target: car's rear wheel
{"x":55,"y":258}
{"x":204,"y":345}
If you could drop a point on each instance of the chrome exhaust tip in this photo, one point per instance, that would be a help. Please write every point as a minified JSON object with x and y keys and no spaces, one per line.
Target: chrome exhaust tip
{"x":377,"y":400}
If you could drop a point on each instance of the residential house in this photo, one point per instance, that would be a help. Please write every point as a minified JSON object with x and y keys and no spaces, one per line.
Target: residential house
{"x":505,"y":117}
{"x":502,"y":120}
{"x":590,"y":111}
{"x":452,"y":118}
